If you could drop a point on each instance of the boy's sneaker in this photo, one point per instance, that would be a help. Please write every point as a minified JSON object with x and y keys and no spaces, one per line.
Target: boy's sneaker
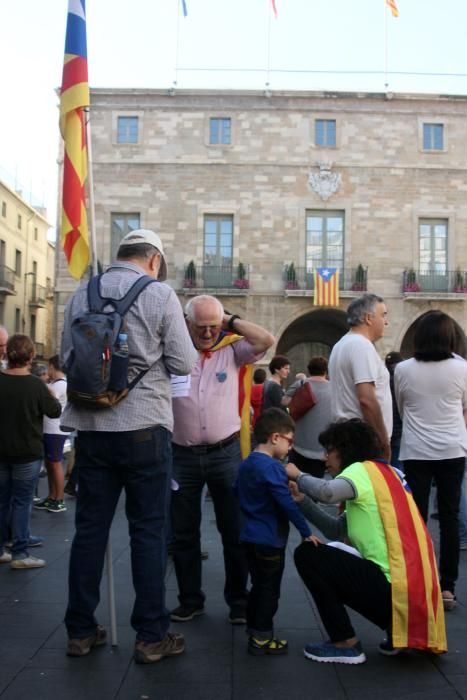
{"x":27,"y":563}
{"x":150,"y":652}
{"x":42,"y":505}
{"x":387,"y":649}
{"x":329,"y":653}
{"x":56,"y":506}
{"x":184,"y":613}
{"x":263,"y":647}
{"x":5,"y":558}
{"x":82,"y":647}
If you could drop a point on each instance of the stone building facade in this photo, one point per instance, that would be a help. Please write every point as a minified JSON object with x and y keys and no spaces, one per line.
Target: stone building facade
{"x":244,"y":184}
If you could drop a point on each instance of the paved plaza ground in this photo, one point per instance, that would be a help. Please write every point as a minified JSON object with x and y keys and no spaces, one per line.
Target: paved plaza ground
{"x":215,"y":665}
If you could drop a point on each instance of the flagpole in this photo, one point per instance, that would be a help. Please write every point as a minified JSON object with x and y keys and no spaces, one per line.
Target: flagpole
{"x":386,"y":84}
{"x":92,"y":206}
{"x":175,"y":82}
{"x":268,"y":69}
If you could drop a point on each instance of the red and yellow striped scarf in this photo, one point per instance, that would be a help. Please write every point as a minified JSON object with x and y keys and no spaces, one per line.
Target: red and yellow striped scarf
{"x":417,"y":605}
{"x":245,"y":380}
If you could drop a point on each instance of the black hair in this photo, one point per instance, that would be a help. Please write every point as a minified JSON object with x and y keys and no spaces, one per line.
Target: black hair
{"x":317,"y":366}
{"x":140,"y":251}
{"x":272,"y":420}
{"x":259,"y":376}
{"x":354,"y":441}
{"x":54,"y":361}
{"x":277,"y":362}
{"x":435,"y":337}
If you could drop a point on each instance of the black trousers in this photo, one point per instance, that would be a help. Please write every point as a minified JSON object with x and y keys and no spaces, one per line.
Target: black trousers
{"x":315,"y":467}
{"x":448,"y":475}
{"x":335,"y":579}
{"x":266,"y":566}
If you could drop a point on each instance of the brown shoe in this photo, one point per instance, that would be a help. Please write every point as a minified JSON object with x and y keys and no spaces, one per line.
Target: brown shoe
{"x":150,"y":652}
{"x":82,"y":647}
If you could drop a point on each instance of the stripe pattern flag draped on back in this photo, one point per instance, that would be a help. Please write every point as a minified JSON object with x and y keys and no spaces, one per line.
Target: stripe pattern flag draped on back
{"x":393,"y":7}
{"x":74,"y":97}
{"x":326,"y":286}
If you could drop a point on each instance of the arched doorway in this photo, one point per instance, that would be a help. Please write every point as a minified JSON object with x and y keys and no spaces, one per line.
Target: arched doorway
{"x":407,"y":341}
{"x":314,"y":333}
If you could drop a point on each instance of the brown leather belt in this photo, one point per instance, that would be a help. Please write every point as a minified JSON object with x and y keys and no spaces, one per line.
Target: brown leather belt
{"x":204,"y":449}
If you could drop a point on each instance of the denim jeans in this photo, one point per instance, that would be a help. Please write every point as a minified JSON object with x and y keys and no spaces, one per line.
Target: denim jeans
{"x":140,"y":462}
{"x":17,"y":482}
{"x":266,"y":566}
{"x":218,"y":469}
{"x":448,"y":475}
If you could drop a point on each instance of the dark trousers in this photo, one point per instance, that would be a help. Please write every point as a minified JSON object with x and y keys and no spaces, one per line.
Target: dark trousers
{"x":192,"y":470}
{"x":140,"y":463}
{"x":315,"y":467}
{"x":266,"y":566}
{"x":335,"y":579}
{"x":448,"y":475}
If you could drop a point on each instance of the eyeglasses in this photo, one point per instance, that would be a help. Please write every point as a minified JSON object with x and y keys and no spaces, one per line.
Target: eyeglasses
{"x":286,"y":437}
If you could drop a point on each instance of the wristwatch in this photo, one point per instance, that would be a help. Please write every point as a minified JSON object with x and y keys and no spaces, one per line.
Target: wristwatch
{"x":231,"y":321}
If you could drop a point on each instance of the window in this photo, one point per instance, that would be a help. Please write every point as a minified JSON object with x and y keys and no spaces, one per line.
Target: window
{"x":324,"y":239}
{"x":17,"y":320}
{"x":32,"y":327}
{"x":433,"y":239}
{"x":325,"y":132}
{"x":433,"y":137}
{"x":20,"y":221}
{"x":3,"y":208}
{"x":127,"y":130}
{"x":36,"y":233}
{"x":18,"y":263}
{"x":218,"y":244}
{"x":121,"y":224}
{"x":220,"y":130}
{"x":2,"y":252}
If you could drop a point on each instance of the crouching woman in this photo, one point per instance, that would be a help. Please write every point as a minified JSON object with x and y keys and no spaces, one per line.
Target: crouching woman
{"x":389,"y":575}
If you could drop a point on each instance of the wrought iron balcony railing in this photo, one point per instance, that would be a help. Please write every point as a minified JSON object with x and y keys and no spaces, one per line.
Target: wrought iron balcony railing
{"x":37,"y":294}
{"x":7,"y":280}
{"x":216,"y":277}
{"x":302,"y":278}
{"x":434,"y":281}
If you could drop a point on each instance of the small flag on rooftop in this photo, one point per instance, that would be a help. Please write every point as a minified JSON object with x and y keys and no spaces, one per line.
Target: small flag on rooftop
{"x":184,"y":8}
{"x":274,"y":8}
{"x":393,"y":7}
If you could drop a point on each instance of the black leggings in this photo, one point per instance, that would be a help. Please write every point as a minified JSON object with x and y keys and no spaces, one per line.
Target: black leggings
{"x":335,"y":579}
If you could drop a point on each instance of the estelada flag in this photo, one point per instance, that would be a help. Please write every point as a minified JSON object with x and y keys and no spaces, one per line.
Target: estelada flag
{"x":393,"y":7}
{"x":74,"y":97}
{"x":326,"y":286}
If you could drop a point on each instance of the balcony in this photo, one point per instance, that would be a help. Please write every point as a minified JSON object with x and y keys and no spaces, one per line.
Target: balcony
{"x":352,"y":281}
{"x":450,"y":284}
{"x":223,"y":279}
{"x":37,"y":295}
{"x":7,"y":280}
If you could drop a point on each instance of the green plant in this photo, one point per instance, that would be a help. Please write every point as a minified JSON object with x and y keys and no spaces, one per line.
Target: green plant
{"x":241,"y":271}
{"x":190,"y":275}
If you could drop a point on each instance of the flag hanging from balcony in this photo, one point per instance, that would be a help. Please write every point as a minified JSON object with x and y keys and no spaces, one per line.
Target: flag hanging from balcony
{"x":393,"y":7}
{"x":74,"y":97}
{"x":326,"y":286}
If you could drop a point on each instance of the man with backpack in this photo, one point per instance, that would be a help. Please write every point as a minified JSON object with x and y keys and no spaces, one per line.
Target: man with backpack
{"x":118,"y":363}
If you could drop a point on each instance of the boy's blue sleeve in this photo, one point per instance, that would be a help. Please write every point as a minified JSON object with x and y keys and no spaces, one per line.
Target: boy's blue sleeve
{"x":278,"y":486}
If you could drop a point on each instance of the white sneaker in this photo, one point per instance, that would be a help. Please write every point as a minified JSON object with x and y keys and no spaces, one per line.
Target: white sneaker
{"x":27,"y":563}
{"x":5,"y":558}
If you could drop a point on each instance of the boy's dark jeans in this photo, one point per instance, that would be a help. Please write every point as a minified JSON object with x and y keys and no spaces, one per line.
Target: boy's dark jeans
{"x":266,"y":566}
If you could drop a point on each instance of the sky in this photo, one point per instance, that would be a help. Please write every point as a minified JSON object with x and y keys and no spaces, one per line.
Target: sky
{"x":310,"y":45}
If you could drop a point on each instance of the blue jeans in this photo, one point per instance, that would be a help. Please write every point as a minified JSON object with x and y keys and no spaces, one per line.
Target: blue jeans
{"x":192,"y":470}
{"x":17,"y":482}
{"x":140,"y":462}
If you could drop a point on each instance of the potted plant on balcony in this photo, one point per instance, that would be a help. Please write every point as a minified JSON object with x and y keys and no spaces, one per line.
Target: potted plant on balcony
{"x":190,"y":276}
{"x":460,"y":283}
{"x":291,"y":277}
{"x":241,"y":282}
{"x":359,"y":284}
{"x":411,"y":284}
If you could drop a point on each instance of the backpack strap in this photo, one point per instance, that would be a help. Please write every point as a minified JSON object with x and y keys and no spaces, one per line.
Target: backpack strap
{"x":97,"y":302}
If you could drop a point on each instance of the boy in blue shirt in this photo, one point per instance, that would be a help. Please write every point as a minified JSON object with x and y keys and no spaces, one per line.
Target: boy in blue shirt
{"x":267,"y":507}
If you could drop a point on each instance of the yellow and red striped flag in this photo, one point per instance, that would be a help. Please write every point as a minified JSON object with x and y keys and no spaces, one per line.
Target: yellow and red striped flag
{"x":326,"y":286}
{"x":393,"y":7}
{"x":74,"y":97}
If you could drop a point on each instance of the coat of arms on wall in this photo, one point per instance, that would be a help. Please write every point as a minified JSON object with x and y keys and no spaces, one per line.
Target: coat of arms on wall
{"x":325,"y":183}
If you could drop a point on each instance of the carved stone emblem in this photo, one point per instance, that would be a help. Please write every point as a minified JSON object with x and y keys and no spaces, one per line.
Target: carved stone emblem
{"x":325,"y":183}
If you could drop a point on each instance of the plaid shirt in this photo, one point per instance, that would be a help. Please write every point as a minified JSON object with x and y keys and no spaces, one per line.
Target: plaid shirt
{"x":157,"y":338}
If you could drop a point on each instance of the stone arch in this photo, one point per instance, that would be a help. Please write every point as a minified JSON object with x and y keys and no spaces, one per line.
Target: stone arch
{"x":407,"y":341}
{"x":312,"y":333}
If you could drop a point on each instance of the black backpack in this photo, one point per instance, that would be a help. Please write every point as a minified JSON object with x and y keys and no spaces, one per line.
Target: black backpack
{"x":97,"y":368}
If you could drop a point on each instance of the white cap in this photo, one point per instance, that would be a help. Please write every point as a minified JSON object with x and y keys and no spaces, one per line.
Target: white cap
{"x":144,"y":235}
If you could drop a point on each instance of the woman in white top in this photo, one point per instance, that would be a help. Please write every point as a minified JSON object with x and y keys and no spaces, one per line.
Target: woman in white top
{"x":431,"y":393}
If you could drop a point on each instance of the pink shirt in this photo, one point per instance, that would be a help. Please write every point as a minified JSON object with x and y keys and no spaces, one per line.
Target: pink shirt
{"x":210,"y":412}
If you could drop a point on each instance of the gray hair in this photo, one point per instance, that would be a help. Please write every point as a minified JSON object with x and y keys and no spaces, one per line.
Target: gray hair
{"x":359,"y":308}
{"x":194,"y":302}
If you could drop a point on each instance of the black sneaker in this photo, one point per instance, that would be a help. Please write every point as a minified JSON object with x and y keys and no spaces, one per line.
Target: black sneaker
{"x":71,"y":490}
{"x":185,"y":613}
{"x":44,"y":504}
{"x":387,"y":649}
{"x":237,"y":615}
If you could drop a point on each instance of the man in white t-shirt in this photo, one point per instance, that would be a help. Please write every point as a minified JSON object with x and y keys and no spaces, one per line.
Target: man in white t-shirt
{"x":359,"y":379}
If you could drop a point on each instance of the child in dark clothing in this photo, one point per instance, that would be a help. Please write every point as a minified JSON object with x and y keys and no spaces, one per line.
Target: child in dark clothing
{"x":267,"y":507}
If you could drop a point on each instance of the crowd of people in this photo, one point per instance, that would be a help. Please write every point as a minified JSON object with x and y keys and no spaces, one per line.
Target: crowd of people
{"x":186,"y":423}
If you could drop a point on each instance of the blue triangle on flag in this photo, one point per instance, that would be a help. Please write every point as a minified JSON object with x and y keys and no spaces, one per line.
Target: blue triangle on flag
{"x":326,"y":272}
